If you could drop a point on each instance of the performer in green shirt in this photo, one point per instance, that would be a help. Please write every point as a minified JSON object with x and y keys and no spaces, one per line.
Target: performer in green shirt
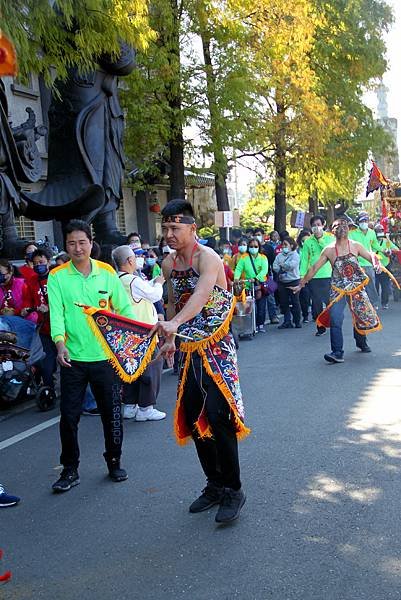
{"x":367,"y":238}
{"x":82,"y":359}
{"x":319,"y":285}
{"x":382,"y":279}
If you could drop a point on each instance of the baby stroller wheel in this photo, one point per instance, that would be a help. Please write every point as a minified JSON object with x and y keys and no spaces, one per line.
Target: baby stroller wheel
{"x":45,"y":398}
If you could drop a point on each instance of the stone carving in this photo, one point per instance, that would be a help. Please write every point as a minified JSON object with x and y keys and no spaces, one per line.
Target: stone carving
{"x":20,"y":162}
{"x":86,"y":160}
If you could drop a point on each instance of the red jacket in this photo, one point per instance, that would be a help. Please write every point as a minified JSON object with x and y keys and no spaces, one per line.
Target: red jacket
{"x":27,"y":273}
{"x":35,"y":296}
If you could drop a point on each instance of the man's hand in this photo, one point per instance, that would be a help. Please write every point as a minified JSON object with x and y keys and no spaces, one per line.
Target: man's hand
{"x":297,"y":288}
{"x":164,"y":328}
{"x":167,"y":351}
{"x":63,"y":356}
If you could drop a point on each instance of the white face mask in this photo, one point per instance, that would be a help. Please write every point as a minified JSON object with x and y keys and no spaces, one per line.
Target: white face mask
{"x":364,"y":226}
{"x":167,"y":249}
{"x":317,"y":229}
{"x":259,"y":238}
{"x":139,"y":262}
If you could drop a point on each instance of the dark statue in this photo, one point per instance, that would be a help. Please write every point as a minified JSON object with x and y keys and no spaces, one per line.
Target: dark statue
{"x":20,"y":162}
{"x":86,"y":160}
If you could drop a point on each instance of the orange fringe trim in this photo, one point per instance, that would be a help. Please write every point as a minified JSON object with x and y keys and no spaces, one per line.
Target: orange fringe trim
{"x":181,"y":431}
{"x":111,"y":357}
{"x":215,"y":337}
{"x":393,"y":279}
{"x":350,"y":293}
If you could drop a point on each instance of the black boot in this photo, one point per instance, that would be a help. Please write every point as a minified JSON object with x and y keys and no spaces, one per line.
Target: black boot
{"x":211,"y":495}
{"x":116,"y":473}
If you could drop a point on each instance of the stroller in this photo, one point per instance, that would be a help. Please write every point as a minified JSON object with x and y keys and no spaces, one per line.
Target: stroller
{"x":244,"y":319}
{"x":20,"y":352}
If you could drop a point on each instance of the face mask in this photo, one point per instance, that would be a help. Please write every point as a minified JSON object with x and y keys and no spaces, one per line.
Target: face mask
{"x":139,"y":262}
{"x":166,"y":249}
{"x":150,"y":262}
{"x":253,"y":250}
{"x":135,"y":245}
{"x":228,"y":251}
{"x":364,"y":226}
{"x":242,"y":249}
{"x":380,"y":235}
{"x":317,"y":229}
{"x":259,"y":238}
{"x":2,"y":278}
{"x":40,"y":269}
{"x":28,"y":256}
{"x":286,"y":250}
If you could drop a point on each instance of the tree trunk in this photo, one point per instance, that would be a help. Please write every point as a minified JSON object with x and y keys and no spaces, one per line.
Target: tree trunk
{"x":313,"y":202}
{"x":280,"y":193}
{"x":176,"y":143}
{"x":280,"y":165}
{"x":330,"y":215}
{"x":220,"y":160}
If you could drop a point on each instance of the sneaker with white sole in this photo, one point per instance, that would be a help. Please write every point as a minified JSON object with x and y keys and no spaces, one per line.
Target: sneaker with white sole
{"x":150,"y":414}
{"x":7,"y":499}
{"x":130,"y":411}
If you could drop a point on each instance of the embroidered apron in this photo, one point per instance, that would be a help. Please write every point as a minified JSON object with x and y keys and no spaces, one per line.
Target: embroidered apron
{"x":215,"y":345}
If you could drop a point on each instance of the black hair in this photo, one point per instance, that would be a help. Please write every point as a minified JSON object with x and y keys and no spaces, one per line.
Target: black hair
{"x":291,"y":241}
{"x":178,"y":207}
{"x":43,"y":252}
{"x":78,"y":225}
{"x":211,"y":242}
{"x":253,"y":239}
{"x":26,"y":246}
{"x":283,"y":235}
{"x":133,"y":233}
{"x":242,"y":241}
{"x":316,"y":218}
{"x":301,"y":235}
{"x":259,"y":229}
{"x":236,"y":233}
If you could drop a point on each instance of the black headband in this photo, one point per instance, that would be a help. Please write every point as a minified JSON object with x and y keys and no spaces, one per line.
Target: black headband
{"x":186,"y":219}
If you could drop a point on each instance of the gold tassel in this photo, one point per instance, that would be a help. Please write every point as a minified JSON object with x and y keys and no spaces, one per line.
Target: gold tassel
{"x":215,"y":337}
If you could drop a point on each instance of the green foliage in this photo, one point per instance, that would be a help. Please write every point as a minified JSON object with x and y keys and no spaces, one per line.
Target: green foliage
{"x":73,"y":33}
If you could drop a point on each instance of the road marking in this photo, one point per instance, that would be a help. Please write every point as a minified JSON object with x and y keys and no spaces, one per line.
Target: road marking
{"x":25,"y":434}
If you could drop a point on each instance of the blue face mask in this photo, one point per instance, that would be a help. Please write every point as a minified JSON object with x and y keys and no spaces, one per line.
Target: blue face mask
{"x":253,"y":250}
{"x":151,"y":262}
{"x":286,"y":250}
{"x":40,"y":269}
{"x":28,"y":256}
{"x":242,"y":249}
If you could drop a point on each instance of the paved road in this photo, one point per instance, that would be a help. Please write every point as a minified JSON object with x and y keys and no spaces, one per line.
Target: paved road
{"x":321,"y":471}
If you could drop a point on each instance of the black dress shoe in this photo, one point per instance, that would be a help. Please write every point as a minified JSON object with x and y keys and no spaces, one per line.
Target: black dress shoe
{"x":211,"y":495}
{"x":230,"y":506}
{"x":116,"y":473}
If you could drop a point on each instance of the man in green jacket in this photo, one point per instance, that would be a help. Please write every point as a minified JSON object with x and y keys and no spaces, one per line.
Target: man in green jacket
{"x":82,"y":359}
{"x":382,"y":279}
{"x":319,"y":285}
{"x":367,"y":237}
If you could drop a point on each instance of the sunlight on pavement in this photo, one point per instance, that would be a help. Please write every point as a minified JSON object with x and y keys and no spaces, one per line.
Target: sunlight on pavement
{"x":377,"y":415}
{"x":323,"y":487}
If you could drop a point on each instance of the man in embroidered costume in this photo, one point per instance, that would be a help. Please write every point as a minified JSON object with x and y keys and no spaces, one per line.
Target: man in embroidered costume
{"x":209,"y":403}
{"x":81,"y":357}
{"x":347,"y":286}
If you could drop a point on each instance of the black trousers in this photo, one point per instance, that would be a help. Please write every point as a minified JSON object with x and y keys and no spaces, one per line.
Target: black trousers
{"x":48,"y":365}
{"x":287,"y":299}
{"x":304,"y":300}
{"x":106,"y":388}
{"x":218,"y":455}
{"x":320,"y":293}
{"x":383,"y":281}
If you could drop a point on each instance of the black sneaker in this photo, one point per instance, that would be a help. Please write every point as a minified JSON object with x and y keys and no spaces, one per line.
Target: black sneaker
{"x":286,"y":325}
{"x":230,"y":506}
{"x":116,"y":473}
{"x":306,"y":321}
{"x":68,"y":478}
{"x":320,"y":331}
{"x":91,"y":412}
{"x":211,"y":495}
{"x":366,"y":349}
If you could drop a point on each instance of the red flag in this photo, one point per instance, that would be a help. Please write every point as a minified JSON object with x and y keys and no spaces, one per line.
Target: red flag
{"x":376,"y":179}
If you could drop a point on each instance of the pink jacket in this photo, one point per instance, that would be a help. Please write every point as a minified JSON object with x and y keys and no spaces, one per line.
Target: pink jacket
{"x":12,"y":295}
